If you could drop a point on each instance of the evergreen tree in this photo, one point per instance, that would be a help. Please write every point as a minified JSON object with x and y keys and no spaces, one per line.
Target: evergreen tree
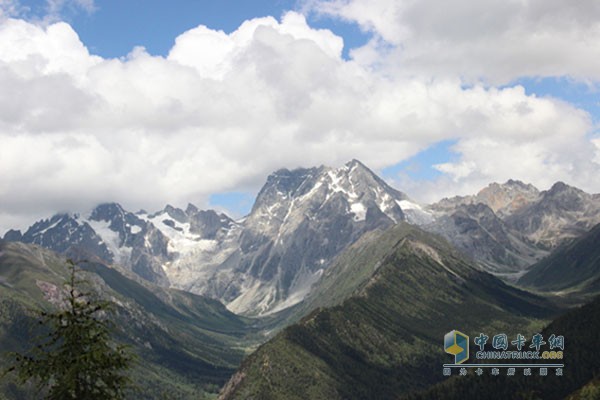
{"x":76,"y":358}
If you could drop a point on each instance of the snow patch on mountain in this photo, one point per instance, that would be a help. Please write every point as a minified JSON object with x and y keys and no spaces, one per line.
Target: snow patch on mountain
{"x":181,"y":240}
{"x":415,"y":213}
{"x":111,"y":239}
{"x":359,"y":211}
{"x":195,"y":258}
{"x":50,"y":227}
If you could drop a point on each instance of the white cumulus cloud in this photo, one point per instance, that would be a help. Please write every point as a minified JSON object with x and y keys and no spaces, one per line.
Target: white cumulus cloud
{"x":223,"y":110}
{"x":495,"y":40}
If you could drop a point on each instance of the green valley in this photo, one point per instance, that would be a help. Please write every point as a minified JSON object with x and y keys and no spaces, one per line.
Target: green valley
{"x":391,"y":300}
{"x":187,"y":345}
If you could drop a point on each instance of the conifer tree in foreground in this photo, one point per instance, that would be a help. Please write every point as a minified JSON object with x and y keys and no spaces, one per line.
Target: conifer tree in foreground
{"x":76,"y":358}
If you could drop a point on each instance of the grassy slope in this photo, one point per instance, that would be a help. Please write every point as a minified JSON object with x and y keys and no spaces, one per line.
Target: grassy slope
{"x":580,"y":328}
{"x":386,"y":337}
{"x":574,"y":268}
{"x":187,"y":344}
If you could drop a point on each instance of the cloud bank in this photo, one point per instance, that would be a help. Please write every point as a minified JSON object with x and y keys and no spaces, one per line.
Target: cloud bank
{"x":492,"y":40}
{"x":223,"y":110}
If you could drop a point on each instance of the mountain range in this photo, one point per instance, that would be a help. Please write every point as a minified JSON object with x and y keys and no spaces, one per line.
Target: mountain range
{"x":507,"y":227}
{"x":301,"y":220}
{"x":345,"y":283}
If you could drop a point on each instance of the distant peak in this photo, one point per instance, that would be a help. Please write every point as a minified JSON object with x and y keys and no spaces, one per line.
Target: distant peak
{"x":191,"y":209}
{"x":510,"y":184}
{"x":355,"y":163}
{"x":560,"y":187}
{"x":521,"y":184}
{"x":13,"y":235}
{"x":176,"y":213}
{"x":169,"y":207}
{"x":107,"y":212}
{"x":209,"y":212}
{"x":281,"y":172}
{"x":60,"y":216}
{"x":514,"y":182}
{"x":109,"y":206}
{"x":356,"y":166}
{"x":295,"y":173}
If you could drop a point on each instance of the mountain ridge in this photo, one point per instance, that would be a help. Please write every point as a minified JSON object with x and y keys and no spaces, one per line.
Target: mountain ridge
{"x":381,"y":336}
{"x":573,"y":269}
{"x":527,"y":226}
{"x":301,"y":220}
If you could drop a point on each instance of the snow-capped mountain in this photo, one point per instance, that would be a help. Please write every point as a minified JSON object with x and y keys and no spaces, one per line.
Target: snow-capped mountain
{"x":301,"y":220}
{"x":62,"y":232}
{"x":198,"y":243}
{"x":108,"y":233}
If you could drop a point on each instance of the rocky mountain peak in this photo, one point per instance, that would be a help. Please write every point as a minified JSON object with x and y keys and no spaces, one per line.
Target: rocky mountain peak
{"x":62,"y":232}
{"x":301,"y":219}
{"x":290,"y":196}
{"x":13,"y":235}
{"x":107,"y":211}
{"x":560,"y":214}
{"x":355,"y":163}
{"x":116,"y":219}
{"x":505,"y":199}
{"x":208,"y":223}
{"x":516,"y":182}
{"x":285,"y":182}
{"x":559,"y":187}
{"x":176,"y":213}
{"x":191,"y":209}
{"x":562,"y":190}
{"x":564,"y":197}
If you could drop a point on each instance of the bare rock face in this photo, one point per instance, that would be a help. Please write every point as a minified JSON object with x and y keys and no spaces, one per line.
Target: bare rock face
{"x":301,"y":220}
{"x":503,"y":199}
{"x":480,"y":233}
{"x":561,"y":213}
{"x":508,"y":198}
{"x":520,"y":226}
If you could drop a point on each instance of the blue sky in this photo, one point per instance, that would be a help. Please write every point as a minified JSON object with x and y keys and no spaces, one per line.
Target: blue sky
{"x":581,"y":94}
{"x":115,"y":27}
{"x":428,"y":94}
